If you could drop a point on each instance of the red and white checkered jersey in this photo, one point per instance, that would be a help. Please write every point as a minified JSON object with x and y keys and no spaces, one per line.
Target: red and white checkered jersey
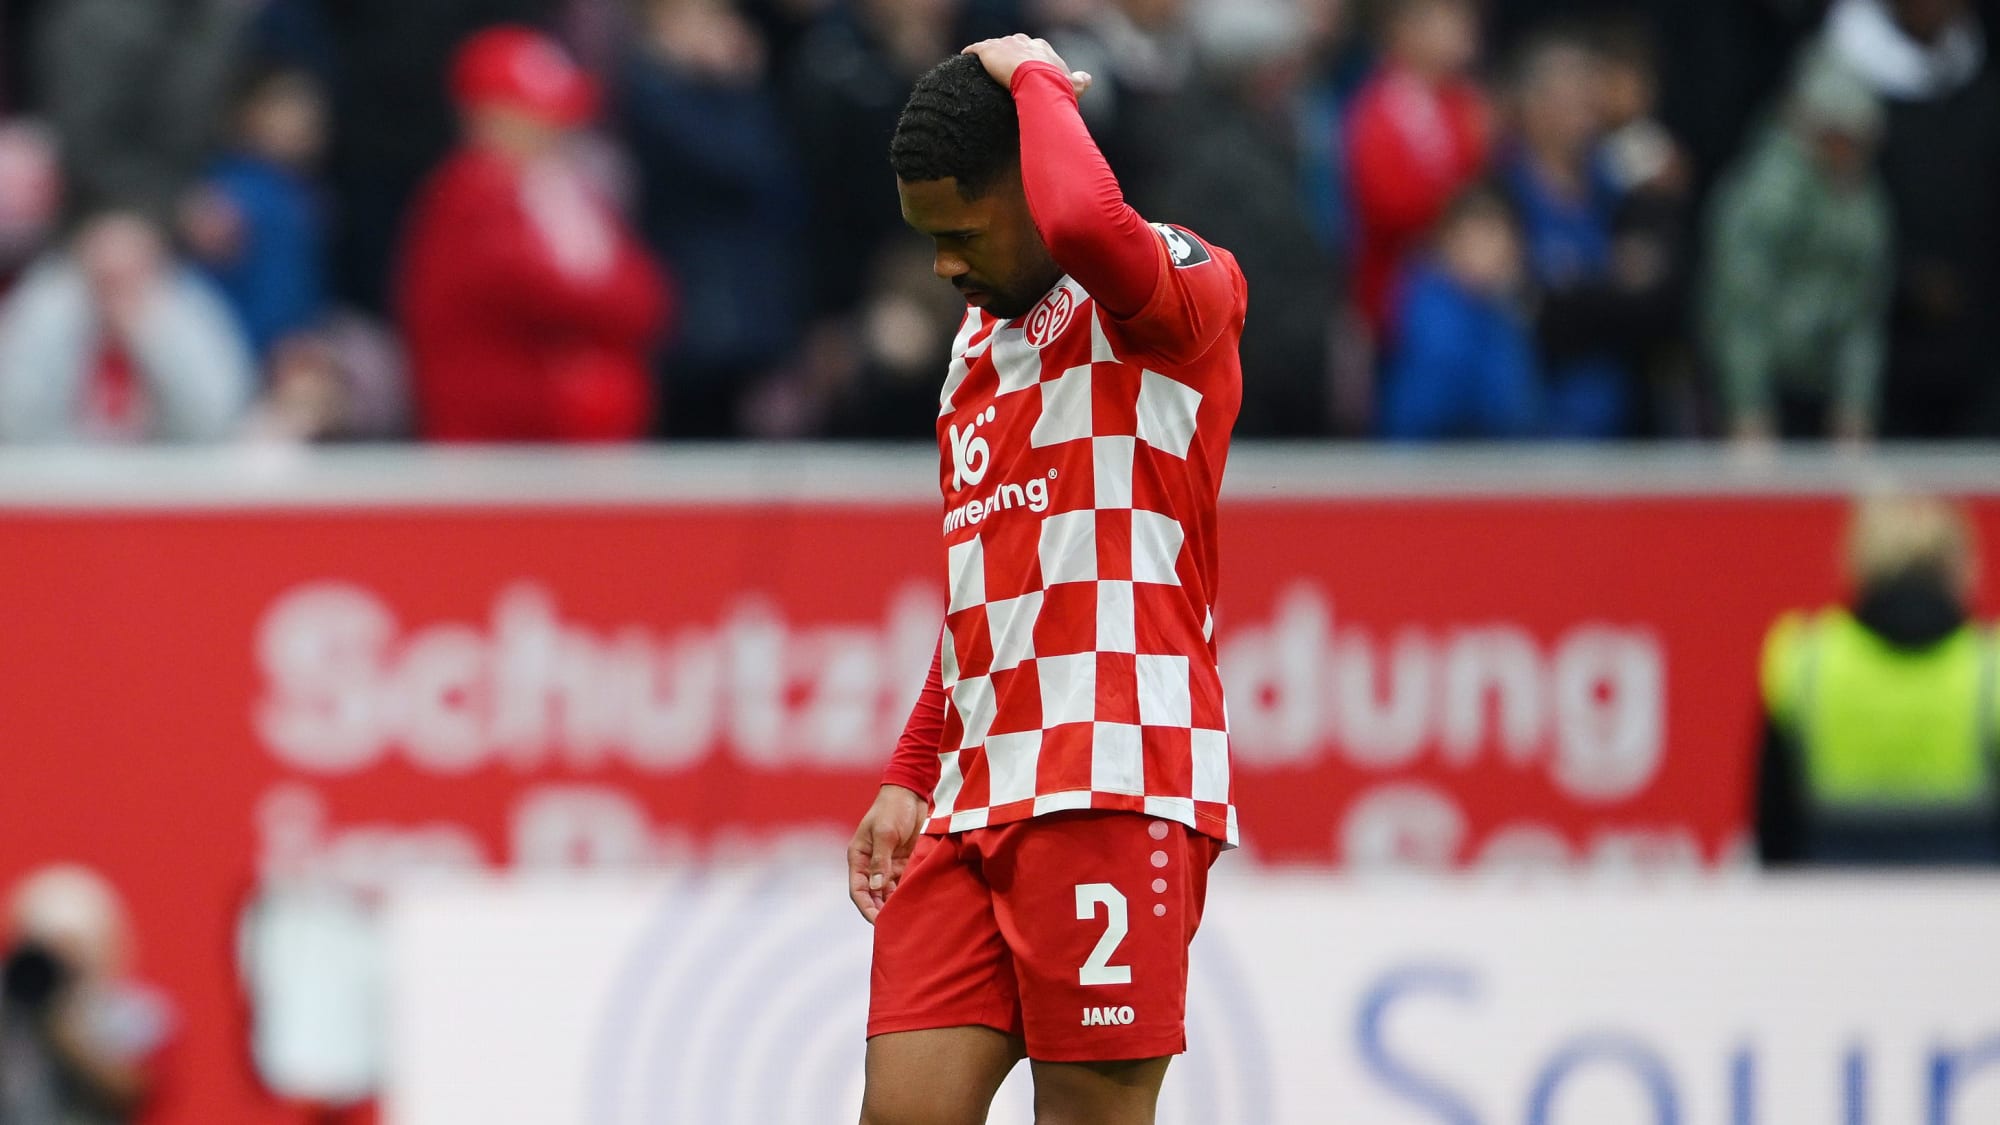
{"x":1081,"y":460}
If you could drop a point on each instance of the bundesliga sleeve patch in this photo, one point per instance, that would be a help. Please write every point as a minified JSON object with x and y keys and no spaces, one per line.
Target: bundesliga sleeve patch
{"x":1185,"y":248}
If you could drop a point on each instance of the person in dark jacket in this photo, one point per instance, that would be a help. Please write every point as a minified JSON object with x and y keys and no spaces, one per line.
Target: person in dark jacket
{"x":532,"y":312}
{"x":851,"y":77}
{"x":1928,"y":61}
{"x":134,"y":91}
{"x":1556,"y":175}
{"x":1242,"y":183}
{"x":1881,"y":716}
{"x":720,"y":200}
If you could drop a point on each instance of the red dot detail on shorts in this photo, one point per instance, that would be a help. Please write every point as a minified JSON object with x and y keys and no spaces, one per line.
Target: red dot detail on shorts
{"x":1159,"y":859}
{"x":1158,"y":830}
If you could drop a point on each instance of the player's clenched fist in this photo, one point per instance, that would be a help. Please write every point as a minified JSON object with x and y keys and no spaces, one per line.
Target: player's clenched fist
{"x":881,"y":847}
{"x":1002,"y":57}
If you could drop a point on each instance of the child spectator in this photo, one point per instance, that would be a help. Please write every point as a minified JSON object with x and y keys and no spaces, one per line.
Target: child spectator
{"x":1795,"y":301}
{"x":112,"y":339}
{"x":256,"y":223}
{"x":344,"y":381}
{"x":530,"y":310}
{"x":1464,"y":365}
{"x":1418,"y":134}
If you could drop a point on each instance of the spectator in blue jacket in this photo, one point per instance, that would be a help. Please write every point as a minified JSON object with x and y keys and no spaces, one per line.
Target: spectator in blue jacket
{"x":1463,"y":361}
{"x":1568,"y":203}
{"x":257,"y":222}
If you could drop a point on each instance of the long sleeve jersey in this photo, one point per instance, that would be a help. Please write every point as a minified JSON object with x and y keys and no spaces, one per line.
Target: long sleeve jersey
{"x":1081,"y":451}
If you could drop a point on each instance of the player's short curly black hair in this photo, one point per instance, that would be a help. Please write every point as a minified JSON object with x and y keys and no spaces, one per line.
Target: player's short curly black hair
{"x":958,"y":124}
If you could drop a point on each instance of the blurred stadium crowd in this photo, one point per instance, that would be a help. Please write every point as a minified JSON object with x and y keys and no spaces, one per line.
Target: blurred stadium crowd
{"x":1583,"y":219}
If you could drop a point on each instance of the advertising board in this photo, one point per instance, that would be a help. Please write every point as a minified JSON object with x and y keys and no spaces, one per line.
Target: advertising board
{"x":227,"y":677}
{"x":737,"y":998}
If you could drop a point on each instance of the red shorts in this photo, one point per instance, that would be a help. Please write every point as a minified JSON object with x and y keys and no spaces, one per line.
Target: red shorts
{"x":1069,"y":930}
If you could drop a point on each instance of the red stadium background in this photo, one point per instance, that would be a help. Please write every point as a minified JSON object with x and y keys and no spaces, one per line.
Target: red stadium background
{"x":198,"y":697}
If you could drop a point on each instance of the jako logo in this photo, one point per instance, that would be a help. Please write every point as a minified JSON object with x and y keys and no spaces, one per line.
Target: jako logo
{"x":1108,"y":1017}
{"x":1050,"y":318}
{"x":970,"y":455}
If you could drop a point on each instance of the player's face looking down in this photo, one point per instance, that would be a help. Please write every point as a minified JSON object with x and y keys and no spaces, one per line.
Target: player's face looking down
{"x":988,"y":247}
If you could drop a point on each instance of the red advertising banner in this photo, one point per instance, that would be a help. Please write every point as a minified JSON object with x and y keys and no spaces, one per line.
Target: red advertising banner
{"x":202,"y":699}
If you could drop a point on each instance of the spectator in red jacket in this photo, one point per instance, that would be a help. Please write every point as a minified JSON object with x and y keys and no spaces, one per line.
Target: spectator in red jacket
{"x":1417,"y":135}
{"x":530,"y":309}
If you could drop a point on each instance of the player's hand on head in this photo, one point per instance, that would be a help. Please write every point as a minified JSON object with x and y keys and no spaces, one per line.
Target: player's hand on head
{"x":1003,"y":56}
{"x":881,"y":847}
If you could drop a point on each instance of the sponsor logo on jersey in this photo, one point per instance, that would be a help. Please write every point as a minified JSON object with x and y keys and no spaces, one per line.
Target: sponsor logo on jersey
{"x":970,"y":455}
{"x":1049,"y":318}
{"x":1185,"y":249}
{"x":1109,"y":1017}
{"x":1034,"y":496}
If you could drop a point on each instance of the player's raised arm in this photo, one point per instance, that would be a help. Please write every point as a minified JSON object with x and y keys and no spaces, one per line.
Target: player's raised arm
{"x":1091,"y":232}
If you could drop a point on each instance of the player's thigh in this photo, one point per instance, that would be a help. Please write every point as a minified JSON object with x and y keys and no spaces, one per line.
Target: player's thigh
{"x":941,"y":1076}
{"x":1122,"y":1092}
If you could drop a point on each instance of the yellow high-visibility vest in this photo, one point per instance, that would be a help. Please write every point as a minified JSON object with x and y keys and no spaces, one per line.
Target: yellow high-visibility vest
{"x":1883,"y":729}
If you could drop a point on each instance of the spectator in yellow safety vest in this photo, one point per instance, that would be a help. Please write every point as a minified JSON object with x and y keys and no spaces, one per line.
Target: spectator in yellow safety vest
{"x":1881,"y":717}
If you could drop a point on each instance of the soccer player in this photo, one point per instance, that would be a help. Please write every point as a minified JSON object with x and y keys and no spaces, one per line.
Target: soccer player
{"x":1036,"y":860}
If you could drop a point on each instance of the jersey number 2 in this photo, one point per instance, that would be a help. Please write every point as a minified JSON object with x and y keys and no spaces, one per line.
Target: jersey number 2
{"x":1098,"y":969}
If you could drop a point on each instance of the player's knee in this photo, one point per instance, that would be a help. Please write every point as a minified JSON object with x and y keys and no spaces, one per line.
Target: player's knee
{"x":918,"y":1107}
{"x":1111,"y":1093}
{"x":1055,"y":1113}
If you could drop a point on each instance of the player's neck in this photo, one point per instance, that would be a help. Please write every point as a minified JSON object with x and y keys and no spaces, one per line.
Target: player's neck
{"x":1054,"y":283}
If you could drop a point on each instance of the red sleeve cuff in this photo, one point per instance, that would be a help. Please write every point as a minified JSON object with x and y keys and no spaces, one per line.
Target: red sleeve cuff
{"x":1027,"y":70}
{"x":909,"y":778}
